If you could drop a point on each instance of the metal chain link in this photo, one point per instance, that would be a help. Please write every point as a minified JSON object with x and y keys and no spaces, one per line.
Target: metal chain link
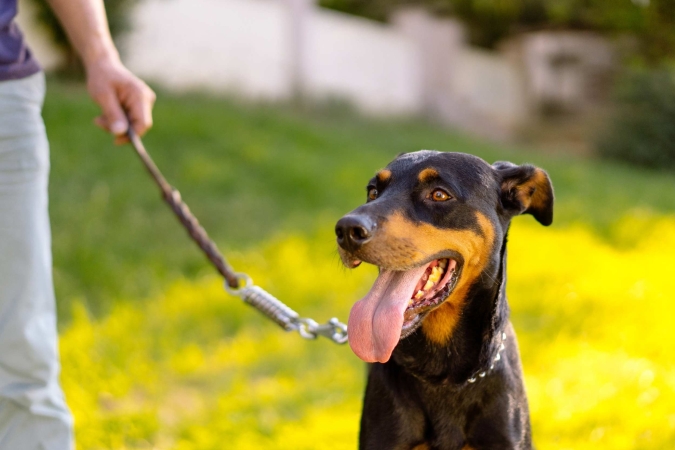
{"x":284,"y":316}
{"x":238,"y":284}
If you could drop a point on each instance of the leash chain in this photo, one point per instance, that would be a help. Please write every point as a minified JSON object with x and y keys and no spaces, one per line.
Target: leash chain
{"x":284,"y":316}
{"x":238,"y":284}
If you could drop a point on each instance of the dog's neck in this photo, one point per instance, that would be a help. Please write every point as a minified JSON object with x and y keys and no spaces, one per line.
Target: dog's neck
{"x":476,"y":341}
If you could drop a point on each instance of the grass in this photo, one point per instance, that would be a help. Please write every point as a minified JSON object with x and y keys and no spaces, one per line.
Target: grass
{"x":251,"y":173}
{"x":155,"y":355}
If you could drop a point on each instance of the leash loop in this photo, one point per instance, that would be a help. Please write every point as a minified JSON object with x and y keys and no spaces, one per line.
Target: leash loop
{"x":243,"y":282}
{"x":266,"y":303}
{"x":236,"y":283}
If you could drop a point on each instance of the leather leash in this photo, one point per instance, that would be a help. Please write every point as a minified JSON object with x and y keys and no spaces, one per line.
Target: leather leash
{"x":236,"y":283}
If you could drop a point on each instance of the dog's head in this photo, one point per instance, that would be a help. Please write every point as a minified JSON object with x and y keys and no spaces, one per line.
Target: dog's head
{"x":433,"y":223}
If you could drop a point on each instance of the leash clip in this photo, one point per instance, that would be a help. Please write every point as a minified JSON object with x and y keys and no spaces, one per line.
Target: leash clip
{"x":238,"y":284}
{"x":284,"y":316}
{"x":334,"y":330}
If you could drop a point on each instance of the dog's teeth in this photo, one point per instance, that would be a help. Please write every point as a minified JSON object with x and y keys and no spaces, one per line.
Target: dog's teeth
{"x":419,"y":295}
{"x":429,"y":285}
{"x":435,"y":276}
{"x":443,"y":263}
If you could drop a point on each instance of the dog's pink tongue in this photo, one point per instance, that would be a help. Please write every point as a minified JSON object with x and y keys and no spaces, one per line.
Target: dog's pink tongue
{"x":375,"y":321}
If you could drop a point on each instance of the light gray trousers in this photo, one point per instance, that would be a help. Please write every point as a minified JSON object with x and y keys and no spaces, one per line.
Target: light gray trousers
{"x":33,"y":413}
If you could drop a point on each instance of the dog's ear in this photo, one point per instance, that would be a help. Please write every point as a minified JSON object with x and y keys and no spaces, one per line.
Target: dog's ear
{"x":525,"y":190}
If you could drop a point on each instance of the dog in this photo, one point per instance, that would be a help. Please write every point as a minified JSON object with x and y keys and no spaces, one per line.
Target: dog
{"x":444,"y":369}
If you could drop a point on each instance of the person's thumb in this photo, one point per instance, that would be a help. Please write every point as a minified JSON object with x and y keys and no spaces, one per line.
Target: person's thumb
{"x":113,"y":114}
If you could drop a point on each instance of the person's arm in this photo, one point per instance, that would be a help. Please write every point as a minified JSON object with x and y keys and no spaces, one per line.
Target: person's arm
{"x":110,"y":84}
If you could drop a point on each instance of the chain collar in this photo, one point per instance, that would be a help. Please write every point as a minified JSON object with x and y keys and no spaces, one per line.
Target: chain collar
{"x":502,"y":346}
{"x":496,"y":359}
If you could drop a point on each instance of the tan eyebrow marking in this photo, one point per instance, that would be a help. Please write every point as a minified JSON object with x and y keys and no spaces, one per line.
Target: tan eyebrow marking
{"x":383,"y":175}
{"x":427,"y":174}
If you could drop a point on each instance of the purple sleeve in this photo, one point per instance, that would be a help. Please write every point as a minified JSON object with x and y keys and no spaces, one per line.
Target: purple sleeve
{"x":16,"y":60}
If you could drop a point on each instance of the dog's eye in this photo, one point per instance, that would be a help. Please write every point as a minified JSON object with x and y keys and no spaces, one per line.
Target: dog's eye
{"x":439,"y":195}
{"x":372,"y":193}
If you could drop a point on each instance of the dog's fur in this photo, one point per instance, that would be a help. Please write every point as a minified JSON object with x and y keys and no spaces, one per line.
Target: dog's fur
{"x":448,"y":385}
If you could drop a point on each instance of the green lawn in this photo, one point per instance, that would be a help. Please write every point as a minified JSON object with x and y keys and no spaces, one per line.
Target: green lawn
{"x":155,"y":355}
{"x":250,"y":173}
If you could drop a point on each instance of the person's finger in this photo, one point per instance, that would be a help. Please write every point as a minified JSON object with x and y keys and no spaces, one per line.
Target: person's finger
{"x":119,"y":139}
{"x":113,"y":115}
{"x":101,"y":123}
{"x":140,"y":108}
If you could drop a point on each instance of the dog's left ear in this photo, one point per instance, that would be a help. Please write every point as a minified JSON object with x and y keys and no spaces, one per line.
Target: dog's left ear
{"x":526,"y":190}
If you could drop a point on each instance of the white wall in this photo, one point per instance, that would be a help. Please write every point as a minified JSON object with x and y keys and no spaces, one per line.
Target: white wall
{"x":273,"y":49}
{"x":222,"y":45}
{"x":365,"y":61}
{"x":246,"y":46}
{"x":270,"y":49}
{"x":491,"y":87}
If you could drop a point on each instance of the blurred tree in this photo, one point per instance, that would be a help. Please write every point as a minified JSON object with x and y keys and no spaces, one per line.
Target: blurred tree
{"x":642,"y":130}
{"x":659,"y":32}
{"x":489,"y":21}
{"x":118,"y":12}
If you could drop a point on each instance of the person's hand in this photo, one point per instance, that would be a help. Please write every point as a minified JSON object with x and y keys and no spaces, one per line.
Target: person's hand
{"x":120,"y":93}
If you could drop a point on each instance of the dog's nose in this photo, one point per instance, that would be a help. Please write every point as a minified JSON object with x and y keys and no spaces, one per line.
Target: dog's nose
{"x":353,"y":231}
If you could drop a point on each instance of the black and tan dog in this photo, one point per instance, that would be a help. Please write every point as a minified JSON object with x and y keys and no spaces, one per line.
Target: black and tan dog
{"x":445,"y":371}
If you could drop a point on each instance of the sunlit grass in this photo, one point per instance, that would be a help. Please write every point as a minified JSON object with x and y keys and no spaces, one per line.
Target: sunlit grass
{"x":156,"y":355}
{"x":250,"y":172}
{"x":595,"y":323}
{"x":196,"y":369}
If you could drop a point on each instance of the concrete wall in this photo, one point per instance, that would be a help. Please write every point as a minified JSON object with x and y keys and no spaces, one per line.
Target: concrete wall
{"x":417,"y":64}
{"x":474,"y":89}
{"x":222,"y":45}
{"x":251,"y":47}
{"x":490,"y":87}
{"x":366,"y":62}
{"x":565,"y":71}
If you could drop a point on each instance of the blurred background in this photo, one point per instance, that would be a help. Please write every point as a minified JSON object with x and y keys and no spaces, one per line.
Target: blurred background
{"x":271,"y":117}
